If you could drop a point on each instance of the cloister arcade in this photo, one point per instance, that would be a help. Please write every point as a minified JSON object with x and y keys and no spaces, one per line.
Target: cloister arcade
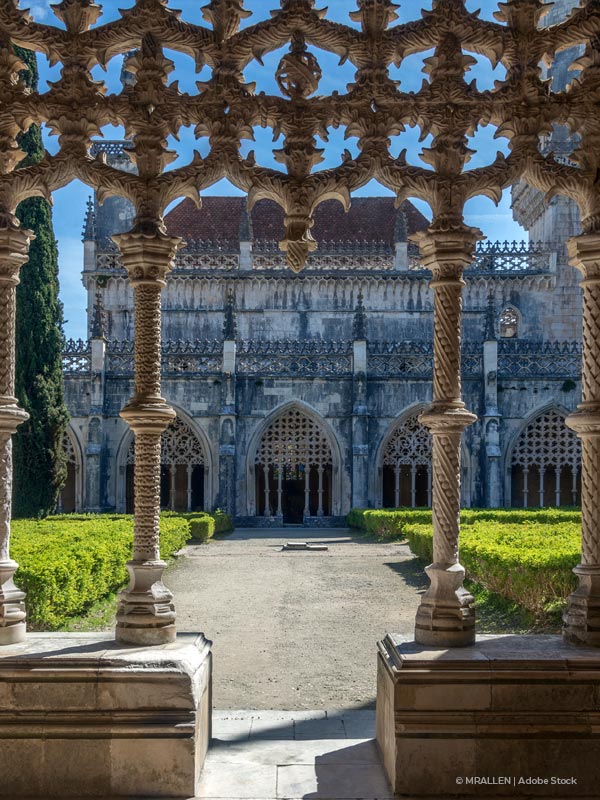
{"x":293,"y":469}
{"x":546,"y":463}
{"x":183,"y":470}
{"x":491,"y":690}
{"x":406,"y":466}
{"x":71,"y":494}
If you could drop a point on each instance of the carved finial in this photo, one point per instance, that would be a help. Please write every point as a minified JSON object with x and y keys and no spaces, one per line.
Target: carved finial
{"x":298,"y":242}
{"x":230,"y":324}
{"x":489,"y":334}
{"x":360,"y":320}
{"x":77,"y":15}
{"x":99,"y":318}
{"x":225,"y":16}
{"x":89,"y":226}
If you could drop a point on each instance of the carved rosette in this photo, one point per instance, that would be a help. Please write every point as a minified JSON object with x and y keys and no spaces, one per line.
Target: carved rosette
{"x":146,"y":614}
{"x":14,"y":249}
{"x":582,"y":618}
{"x":445,"y":616}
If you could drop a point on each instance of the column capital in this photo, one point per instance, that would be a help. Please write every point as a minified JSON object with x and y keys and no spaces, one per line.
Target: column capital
{"x":14,"y":252}
{"x":447,"y":253}
{"x":584,"y":255}
{"x":147,"y":259}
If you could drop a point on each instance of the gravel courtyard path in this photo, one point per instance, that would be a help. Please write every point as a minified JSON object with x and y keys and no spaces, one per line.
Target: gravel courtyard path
{"x":295,"y":630}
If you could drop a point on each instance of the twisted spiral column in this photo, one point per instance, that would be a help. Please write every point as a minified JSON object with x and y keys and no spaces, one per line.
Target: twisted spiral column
{"x":445,"y":617}
{"x":14,"y":249}
{"x":146,"y":613}
{"x":582,"y":618}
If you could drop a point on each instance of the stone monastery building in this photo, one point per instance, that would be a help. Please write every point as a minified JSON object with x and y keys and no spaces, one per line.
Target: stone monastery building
{"x":298,"y":396}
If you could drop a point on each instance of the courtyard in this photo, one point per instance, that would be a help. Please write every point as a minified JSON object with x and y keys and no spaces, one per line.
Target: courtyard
{"x":294,"y":630}
{"x":327,"y":341}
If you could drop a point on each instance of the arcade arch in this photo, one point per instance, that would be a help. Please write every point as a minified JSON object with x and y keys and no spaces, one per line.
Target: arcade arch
{"x":406,"y":464}
{"x":545,"y":463}
{"x":294,"y":467}
{"x":183,"y":470}
{"x":70,"y":500}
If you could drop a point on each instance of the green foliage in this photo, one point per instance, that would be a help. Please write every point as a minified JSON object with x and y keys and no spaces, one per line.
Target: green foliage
{"x":525,"y":556}
{"x":203,"y":526}
{"x":69,"y":563}
{"x":39,"y":461}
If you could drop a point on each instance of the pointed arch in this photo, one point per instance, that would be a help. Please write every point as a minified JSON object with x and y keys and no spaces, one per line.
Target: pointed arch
{"x":187,"y":467}
{"x":544,"y":461}
{"x":70,"y":500}
{"x":404,"y":462}
{"x":295,"y":449}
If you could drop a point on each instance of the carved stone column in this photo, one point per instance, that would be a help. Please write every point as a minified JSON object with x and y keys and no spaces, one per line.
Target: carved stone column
{"x":582,"y":618}
{"x":445,"y":617}
{"x":14,"y":249}
{"x":146,"y":614}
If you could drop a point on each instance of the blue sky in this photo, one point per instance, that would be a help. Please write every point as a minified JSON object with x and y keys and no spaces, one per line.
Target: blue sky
{"x":69,"y":203}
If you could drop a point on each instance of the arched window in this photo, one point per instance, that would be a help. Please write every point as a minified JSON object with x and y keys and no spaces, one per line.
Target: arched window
{"x":68,"y":501}
{"x":183,"y":468}
{"x":293,"y":468}
{"x":546,"y":464}
{"x":509,"y":323}
{"x":407,"y":466}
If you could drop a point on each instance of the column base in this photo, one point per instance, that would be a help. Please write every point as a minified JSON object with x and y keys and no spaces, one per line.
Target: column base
{"x":12,"y":607}
{"x":81,"y":717}
{"x":146,"y":614}
{"x":445,"y":617}
{"x":511,"y":717}
{"x":582,"y":617}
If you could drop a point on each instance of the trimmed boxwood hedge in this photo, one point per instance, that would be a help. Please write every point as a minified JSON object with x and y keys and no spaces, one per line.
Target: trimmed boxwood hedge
{"x":69,"y":563}
{"x":525,"y":556}
{"x":203,"y":526}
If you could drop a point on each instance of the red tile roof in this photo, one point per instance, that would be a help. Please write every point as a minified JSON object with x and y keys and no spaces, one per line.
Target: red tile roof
{"x":370,"y":219}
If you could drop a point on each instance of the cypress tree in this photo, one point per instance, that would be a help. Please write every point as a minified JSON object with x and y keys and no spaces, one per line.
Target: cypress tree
{"x":39,"y":460}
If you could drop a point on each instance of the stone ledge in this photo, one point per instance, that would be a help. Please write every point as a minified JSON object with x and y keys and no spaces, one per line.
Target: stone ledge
{"x":509,"y":706}
{"x":82,"y":716}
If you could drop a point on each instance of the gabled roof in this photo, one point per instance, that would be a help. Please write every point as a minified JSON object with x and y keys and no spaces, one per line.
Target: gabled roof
{"x":370,"y":219}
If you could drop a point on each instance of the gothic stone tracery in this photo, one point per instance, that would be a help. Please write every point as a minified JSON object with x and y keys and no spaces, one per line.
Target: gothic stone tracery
{"x":407,"y":466}
{"x":183,"y":468}
{"x":546,"y":463}
{"x":293,"y":469}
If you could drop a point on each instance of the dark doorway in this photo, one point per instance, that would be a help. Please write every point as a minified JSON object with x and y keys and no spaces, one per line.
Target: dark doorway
{"x":187,"y":497}
{"x":293,"y":492}
{"x":293,"y":501}
{"x":68,"y":495}
{"x":398,"y":486}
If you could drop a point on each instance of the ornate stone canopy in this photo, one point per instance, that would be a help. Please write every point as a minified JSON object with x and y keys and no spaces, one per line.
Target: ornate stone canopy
{"x":375,"y":110}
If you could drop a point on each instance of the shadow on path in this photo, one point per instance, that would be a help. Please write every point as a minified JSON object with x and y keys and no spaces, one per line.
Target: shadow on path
{"x":412,"y":573}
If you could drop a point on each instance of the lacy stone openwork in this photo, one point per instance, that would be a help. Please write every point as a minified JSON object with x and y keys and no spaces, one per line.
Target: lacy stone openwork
{"x":294,"y":448}
{"x":407,"y":466}
{"x":373,"y":110}
{"x":183,"y":466}
{"x":546,"y":463}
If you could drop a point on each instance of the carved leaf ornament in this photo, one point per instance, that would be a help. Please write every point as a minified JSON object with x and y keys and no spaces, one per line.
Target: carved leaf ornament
{"x":374,"y":108}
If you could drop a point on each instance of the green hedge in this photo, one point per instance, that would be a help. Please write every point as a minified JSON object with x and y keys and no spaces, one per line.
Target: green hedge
{"x":526,"y":556}
{"x":68,"y":563}
{"x":203,"y":526}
